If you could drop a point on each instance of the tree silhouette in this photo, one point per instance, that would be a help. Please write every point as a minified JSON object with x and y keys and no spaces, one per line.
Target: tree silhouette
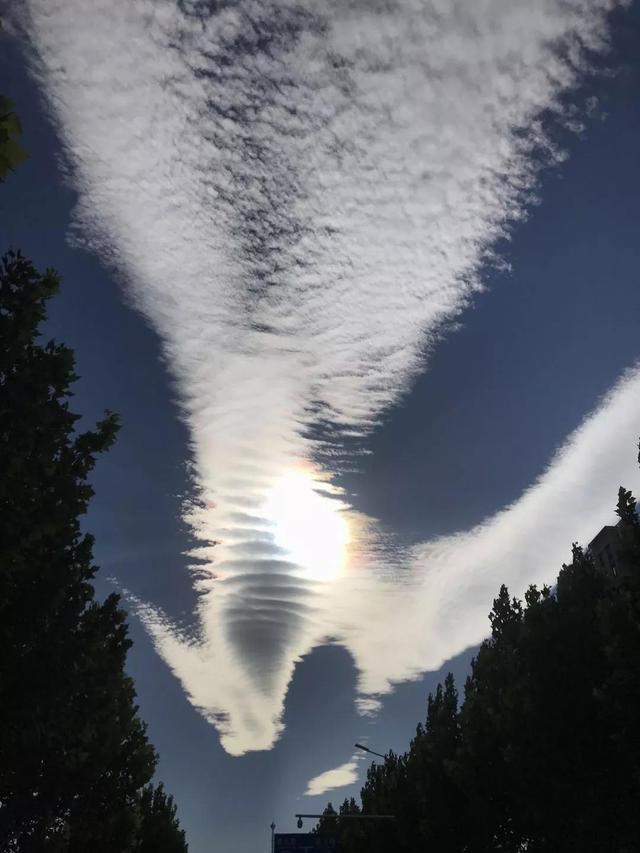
{"x":11,"y":152}
{"x":159,"y":829}
{"x":544,"y":754}
{"x":74,"y":755}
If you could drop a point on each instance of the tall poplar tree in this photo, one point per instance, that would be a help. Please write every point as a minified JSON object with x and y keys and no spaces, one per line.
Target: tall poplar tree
{"x":74,"y":754}
{"x":544,"y":754}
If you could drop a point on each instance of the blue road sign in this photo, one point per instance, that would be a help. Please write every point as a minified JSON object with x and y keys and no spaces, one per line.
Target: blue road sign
{"x":304,"y":842}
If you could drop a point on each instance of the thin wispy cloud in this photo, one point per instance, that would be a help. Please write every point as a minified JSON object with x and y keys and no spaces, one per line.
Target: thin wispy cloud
{"x":339,"y":777}
{"x":299,"y":197}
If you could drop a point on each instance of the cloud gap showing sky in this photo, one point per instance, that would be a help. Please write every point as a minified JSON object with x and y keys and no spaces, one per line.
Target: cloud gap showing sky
{"x":299,"y":197}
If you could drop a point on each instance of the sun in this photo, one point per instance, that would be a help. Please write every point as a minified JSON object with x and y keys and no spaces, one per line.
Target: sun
{"x":309,"y":526}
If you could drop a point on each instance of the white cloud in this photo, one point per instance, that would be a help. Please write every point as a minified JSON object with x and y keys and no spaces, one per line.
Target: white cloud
{"x":441,"y":608}
{"x":368,"y":706}
{"x":298,"y":197}
{"x":339,"y":777}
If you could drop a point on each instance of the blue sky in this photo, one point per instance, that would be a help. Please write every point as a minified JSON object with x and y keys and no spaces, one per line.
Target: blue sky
{"x":179,"y":306}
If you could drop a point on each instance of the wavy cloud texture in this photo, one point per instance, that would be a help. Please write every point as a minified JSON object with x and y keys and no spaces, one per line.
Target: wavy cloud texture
{"x":297,"y":197}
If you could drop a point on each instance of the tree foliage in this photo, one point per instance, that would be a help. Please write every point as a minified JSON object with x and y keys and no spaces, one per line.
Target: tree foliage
{"x":11,"y":151}
{"x":74,"y":754}
{"x":543,"y":755}
{"x":159,"y":830}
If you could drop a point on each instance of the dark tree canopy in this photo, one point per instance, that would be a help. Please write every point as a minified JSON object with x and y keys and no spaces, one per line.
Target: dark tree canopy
{"x":160,"y":830}
{"x":543,"y":755}
{"x":74,"y":755}
{"x":11,"y":152}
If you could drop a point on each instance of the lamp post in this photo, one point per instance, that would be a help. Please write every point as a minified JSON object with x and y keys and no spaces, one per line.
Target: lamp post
{"x":273,"y":836}
{"x":366,"y":749}
{"x":382,"y":817}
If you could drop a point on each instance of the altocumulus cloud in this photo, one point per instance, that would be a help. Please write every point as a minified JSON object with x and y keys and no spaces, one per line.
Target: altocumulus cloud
{"x":297,"y":197}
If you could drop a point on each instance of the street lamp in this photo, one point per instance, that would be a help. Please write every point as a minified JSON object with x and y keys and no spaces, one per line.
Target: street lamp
{"x":366,"y":749}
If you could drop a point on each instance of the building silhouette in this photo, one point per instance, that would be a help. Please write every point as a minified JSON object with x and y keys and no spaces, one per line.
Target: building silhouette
{"x":611,"y":548}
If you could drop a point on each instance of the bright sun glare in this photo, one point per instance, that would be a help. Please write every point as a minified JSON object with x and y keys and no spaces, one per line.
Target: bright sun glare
{"x":310,"y":527}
